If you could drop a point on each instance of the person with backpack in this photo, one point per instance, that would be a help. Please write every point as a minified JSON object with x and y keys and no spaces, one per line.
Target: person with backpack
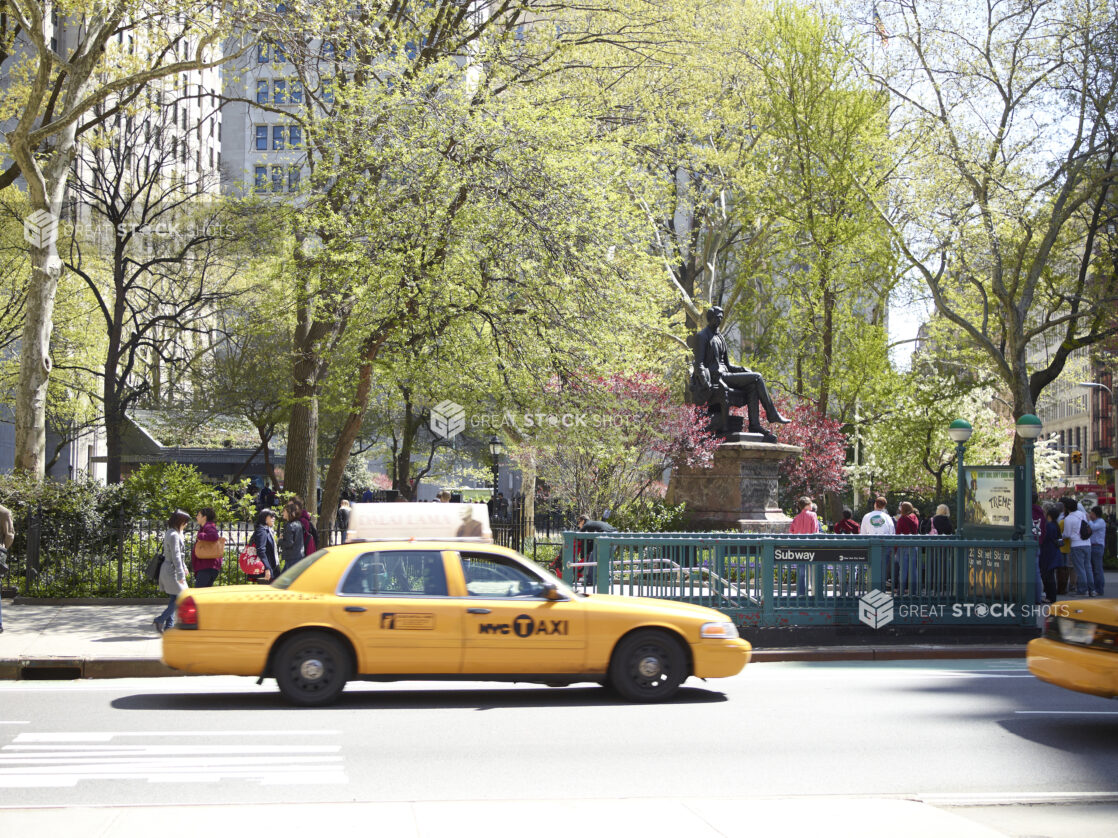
{"x":310,"y":533}
{"x":291,"y":543}
{"x":172,"y":573}
{"x":1077,"y":534}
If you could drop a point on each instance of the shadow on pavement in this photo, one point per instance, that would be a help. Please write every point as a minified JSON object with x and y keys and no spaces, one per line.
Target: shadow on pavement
{"x":1084,"y":735}
{"x":270,"y":699}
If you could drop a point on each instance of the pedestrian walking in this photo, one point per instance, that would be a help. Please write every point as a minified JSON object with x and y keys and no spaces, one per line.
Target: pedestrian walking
{"x":1065,"y":576}
{"x":264,"y":540}
{"x":291,"y":542}
{"x":908,"y":557}
{"x":172,"y":573}
{"x":847,"y":526}
{"x":1050,"y":559}
{"x":806,"y":522}
{"x":207,"y":567}
{"x":310,"y":534}
{"x":1098,"y":547}
{"x":1077,"y":534}
{"x":342,"y":521}
{"x":7,"y":536}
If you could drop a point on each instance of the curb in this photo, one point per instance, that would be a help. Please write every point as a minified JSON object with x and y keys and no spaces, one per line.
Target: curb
{"x":887,"y":653}
{"x":71,"y":669}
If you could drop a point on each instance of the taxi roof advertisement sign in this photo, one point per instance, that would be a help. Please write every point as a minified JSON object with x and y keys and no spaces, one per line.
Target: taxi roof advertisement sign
{"x":383,"y":521}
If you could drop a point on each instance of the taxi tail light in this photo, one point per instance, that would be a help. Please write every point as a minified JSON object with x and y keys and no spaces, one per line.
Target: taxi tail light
{"x":186,"y":615}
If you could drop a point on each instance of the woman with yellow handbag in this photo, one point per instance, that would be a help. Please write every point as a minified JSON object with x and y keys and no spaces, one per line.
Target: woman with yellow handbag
{"x":209,"y":549}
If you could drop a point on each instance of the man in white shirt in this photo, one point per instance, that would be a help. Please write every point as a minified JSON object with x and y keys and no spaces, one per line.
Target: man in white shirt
{"x":1074,"y":520}
{"x":878,"y":521}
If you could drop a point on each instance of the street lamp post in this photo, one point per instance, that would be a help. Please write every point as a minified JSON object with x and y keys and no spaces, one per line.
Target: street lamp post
{"x":496,"y":449}
{"x":1029,"y":427}
{"x":960,"y":431}
{"x":1094,"y":385}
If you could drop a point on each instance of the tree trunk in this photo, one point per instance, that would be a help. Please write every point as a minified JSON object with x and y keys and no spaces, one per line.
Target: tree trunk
{"x":528,"y":488}
{"x":828,"y":339}
{"x":332,"y":491}
{"x":402,"y":479}
{"x":46,"y":176}
{"x":302,"y":443}
{"x":35,"y":360}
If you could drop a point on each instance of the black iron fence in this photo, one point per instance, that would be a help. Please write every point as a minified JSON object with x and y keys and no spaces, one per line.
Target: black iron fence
{"x":69,"y":560}
{"x":540,"y":539}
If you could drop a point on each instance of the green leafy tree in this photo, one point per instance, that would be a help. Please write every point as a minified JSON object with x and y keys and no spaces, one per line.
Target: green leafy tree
{"x":1005,"y":116}
{"x":51,"y":99}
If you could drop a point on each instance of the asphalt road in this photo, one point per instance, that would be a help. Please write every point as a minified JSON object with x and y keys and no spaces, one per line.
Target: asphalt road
{"x":950,"y":733}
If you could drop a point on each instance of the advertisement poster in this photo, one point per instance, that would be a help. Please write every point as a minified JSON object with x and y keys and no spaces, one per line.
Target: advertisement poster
{"x":989,"y":496}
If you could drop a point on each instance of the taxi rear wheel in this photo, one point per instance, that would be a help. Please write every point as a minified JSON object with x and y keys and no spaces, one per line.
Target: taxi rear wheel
{"x":311,"y":668}
{"x":648,"y":666}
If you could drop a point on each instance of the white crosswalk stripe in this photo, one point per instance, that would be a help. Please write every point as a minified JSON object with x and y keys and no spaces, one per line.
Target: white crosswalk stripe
{"x":54,"y":760}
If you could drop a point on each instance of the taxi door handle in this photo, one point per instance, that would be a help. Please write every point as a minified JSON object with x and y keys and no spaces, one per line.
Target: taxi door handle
{"x":354,"y":608}
{"x":477,"y":610}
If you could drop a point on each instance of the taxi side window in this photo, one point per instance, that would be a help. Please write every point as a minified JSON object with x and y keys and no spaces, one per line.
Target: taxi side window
{"x":396,"y":573}
{"x":489,"y":575}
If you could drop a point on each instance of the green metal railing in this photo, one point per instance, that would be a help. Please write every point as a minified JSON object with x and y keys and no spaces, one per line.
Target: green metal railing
{"x":819,"y":579}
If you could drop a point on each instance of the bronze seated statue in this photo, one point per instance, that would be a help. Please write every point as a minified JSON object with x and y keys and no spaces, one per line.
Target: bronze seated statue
{"x":720,"y":385}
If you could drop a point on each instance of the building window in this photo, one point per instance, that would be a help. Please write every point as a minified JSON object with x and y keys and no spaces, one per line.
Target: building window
{"x":277,"y":178}
{"x":296,"y":91}
{"x":294,"y":136}
{"x":278,"y":55}
{"x":280,"y":88}
{"x":277,"y":138}
{"x":261,"y":184}
{"x":262,"y":53}
{"x":327,"y":91}
{"x":328,"y":50}
{"x":262,"y":92}
{"x":293,"y":175}
{"x":261,"y":137}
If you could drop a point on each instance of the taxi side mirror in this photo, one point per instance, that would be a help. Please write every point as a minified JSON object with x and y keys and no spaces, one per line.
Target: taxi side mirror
{"x":551,"y":592}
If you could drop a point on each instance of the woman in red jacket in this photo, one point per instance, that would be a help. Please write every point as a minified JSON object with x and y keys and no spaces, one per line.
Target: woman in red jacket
{"x":205,"y":570}
{"x":909,"y":557}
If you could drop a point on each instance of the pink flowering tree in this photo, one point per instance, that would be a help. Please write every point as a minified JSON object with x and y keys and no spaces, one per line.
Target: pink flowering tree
{"x":606,"y":440}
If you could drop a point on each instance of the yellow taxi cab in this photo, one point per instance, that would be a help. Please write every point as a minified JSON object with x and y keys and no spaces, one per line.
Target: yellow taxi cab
{"x":395,"y":609}
{"x":1079,"y":648}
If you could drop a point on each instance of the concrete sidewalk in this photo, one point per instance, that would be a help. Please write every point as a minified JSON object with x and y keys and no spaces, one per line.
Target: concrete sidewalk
{"x":118,"y":641}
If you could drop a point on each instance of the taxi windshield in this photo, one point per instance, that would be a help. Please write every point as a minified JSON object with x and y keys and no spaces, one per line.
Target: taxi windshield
{"x":285,"y":579}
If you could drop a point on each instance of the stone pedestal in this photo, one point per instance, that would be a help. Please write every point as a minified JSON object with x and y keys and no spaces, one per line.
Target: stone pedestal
{"x":740,"y":491}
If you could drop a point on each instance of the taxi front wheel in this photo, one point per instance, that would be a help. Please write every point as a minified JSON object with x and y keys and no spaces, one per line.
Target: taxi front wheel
{"x":311,"y":668}
{"x":648,"y":666}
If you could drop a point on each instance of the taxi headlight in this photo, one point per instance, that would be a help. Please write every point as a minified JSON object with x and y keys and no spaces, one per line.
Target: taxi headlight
{"x":723,"y":631}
